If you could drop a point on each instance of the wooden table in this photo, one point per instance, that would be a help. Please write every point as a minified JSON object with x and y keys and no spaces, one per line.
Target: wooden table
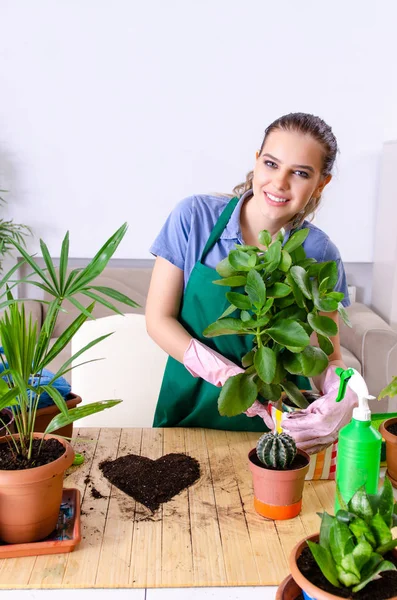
{"x":209,"y":535}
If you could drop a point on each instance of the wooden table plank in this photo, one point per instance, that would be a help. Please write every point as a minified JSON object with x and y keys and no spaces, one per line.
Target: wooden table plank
{"x":115,"y":558}
{"x":269,"y":556}
{"x":82,"y":564}
{"x":146,"y":543}
{"x":176,"y":555}
{"x":235,"y":537}
{"x":208,"y":561}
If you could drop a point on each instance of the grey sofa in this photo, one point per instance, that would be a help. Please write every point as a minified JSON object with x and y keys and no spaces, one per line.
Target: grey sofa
{"x":370,"y":346}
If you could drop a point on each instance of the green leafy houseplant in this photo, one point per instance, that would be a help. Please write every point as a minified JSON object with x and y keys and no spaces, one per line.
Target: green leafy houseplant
{"x":277,"y":296}
{"x":352,"y":543}
{"x":28,"y":352}
{"x":390,"y":390}
{"x":10,"y":231}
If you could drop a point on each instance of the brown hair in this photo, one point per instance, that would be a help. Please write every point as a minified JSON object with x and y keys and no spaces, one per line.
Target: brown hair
{"x":305,"y":124}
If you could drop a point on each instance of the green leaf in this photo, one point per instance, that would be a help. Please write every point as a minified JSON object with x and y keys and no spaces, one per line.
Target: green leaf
{"x":341,"y":541}
{"x":49,"y":265}
{"x":245,"y":316}
{"x":386,"y":502}
{"x":269,"y":391}
{"x":294,"y":394}
{"x":267,"y":306}
{"x":381,"y":530}
{"x":326,"y":304}
{"x":314,"y":361}
{"x":32,"y":263}
{"x":239,"y":300}
{"x":385,"y":565}
{"x":56,"y":397}
{"x":237,"y":395}
{"x":286,"y":261}
{"x":278,"y":290}
{"x":256,"y":289}
{"x":390,"y":390}
{"x":336,"y":295}
{"x":78,"y":413}
{"x":296,"y":240}
{"x":323,"y":325}
{"x":362,"y":553}
{"x":228,"y":326}
{"x":229,"y":311}
{"x":292,"y":363}
{"x":265,"y":364}
{"x":233,"y":281}
{"x":248,"y":359}
{"x":343,"y":314}
{"x":265,"y":238}
{"x":298,"y":295}
{"x":288,"y":333}
{"x":114,"y":294}
{"x":241,"y":261}
{"x":360,"y":505}
{"x":225,"y":269}
{"x":291,"y":312}
{"x":302,"y":280}
{"x":325,"y":344}
{"x":63,"y":262}
{"x":272,"y":257}
{"x":326,"y":522}
{"x":323,"y":558}
{"x":360,"y":528}
{"x":329,"y":272}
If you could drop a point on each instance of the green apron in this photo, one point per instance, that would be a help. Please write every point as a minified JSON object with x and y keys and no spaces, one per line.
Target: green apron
{"x":187,"y":401}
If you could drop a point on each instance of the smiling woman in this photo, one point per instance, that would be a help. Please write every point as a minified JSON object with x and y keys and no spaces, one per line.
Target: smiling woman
{"x":291,"y":169}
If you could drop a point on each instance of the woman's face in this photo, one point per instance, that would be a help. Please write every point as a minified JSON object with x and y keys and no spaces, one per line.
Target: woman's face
{"x":287,"y":174}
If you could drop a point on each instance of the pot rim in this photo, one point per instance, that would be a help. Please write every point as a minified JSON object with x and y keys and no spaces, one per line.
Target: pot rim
{"x":301,"y":452}
{"x":42,"y":472}
{"x":386,"y":434}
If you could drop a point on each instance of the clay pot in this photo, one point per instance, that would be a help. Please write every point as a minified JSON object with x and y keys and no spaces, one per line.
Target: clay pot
{"x":278,"y":494}
{"x":45,"y":415}
{"x":11,"y":426}
{"x":309,"y":590}
{"x":391,"y":450}
{"x":30,"y":499}
{"x":288,"y":589}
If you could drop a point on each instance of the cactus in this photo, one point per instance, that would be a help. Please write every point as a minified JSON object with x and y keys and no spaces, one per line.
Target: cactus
{"x":276,"y":450}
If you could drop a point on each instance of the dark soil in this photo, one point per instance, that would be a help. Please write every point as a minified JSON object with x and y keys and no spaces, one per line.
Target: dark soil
{"x":298,"y":462}
{"x":50,"y":450}
{"x":392,"y":428}
{"x":380,"y":589}
{"x":5,"y":418}
{"x":96,"y":494}
{"x":152,"y":482}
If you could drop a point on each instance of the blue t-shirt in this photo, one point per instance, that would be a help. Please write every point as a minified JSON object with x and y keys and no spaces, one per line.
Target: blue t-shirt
{"x":182,"y":239}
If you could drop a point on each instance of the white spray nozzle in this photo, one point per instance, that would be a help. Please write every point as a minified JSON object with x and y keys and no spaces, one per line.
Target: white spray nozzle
{"x":355,"y":381}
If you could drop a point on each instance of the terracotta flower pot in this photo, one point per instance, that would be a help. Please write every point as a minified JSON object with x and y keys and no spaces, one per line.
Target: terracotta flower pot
{"x":45,"y":415}
{"x":309,"y":590}
{"x":277,"y":494}
{"x":391,"y":450}
{"x":30,"y":499}
{"x":288,"y":589}
{"x":7,"y":412}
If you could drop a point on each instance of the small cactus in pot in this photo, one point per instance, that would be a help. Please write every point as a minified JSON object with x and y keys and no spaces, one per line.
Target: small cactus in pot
{"x":276,"y":450}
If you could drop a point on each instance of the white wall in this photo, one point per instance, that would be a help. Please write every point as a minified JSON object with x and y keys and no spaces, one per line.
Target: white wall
{"x":113,"y":110}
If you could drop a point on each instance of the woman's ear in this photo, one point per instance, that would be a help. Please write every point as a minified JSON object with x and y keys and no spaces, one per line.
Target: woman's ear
{"x":322,"y":184}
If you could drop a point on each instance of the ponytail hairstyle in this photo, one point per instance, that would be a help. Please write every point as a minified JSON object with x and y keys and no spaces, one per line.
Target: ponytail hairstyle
{"x":307,"y":125}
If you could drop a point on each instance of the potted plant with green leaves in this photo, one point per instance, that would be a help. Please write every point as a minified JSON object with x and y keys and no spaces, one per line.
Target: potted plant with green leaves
{"x":276,"y":297}
{"x":388,"y":429}
{"x":278,"y":472}
{"x":32,"y":464}
{"x":351,"y":551}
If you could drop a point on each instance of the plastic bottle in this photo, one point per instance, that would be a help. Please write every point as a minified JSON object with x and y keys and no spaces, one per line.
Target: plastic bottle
{"x":359,"y":444}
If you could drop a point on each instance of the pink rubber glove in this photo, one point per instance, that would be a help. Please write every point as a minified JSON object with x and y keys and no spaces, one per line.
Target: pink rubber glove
{"x":208,"y":364}
{"x":260,"y":410}
{"x":317,"y":426}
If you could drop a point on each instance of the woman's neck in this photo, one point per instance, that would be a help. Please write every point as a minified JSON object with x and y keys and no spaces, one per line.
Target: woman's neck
{"x":252,"y":221}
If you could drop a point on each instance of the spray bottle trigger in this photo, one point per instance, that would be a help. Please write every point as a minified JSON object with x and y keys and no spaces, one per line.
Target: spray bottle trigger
{"x":345,"y":375}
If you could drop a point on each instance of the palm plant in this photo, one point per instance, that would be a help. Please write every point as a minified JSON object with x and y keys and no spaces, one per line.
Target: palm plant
{"x":10,"y":231}
{"x":27,"y":352}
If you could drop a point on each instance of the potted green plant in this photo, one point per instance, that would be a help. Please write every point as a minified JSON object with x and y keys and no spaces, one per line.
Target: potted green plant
{"x":351,"y":550}
{"x":388,"y":429}
{"x":32,"y":464}
{"x":276,"y":297}
{"x":278,"y":472}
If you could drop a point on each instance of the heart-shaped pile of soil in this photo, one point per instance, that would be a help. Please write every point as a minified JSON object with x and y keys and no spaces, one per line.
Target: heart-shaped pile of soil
{"x":152,"y":482}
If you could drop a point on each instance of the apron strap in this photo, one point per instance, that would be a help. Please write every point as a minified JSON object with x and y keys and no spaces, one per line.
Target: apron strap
{"x":219,"y":226}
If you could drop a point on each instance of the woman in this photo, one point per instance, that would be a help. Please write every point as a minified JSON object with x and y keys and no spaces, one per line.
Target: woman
{"x":291,"y":170}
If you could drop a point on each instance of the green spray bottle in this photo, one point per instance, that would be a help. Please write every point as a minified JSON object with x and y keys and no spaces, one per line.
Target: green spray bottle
{"x":359,"y":444}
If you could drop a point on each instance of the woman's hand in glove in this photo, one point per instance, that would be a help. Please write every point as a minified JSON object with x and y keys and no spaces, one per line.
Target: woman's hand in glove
{"x":208,"y":364}
{"x":317,"y":426}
